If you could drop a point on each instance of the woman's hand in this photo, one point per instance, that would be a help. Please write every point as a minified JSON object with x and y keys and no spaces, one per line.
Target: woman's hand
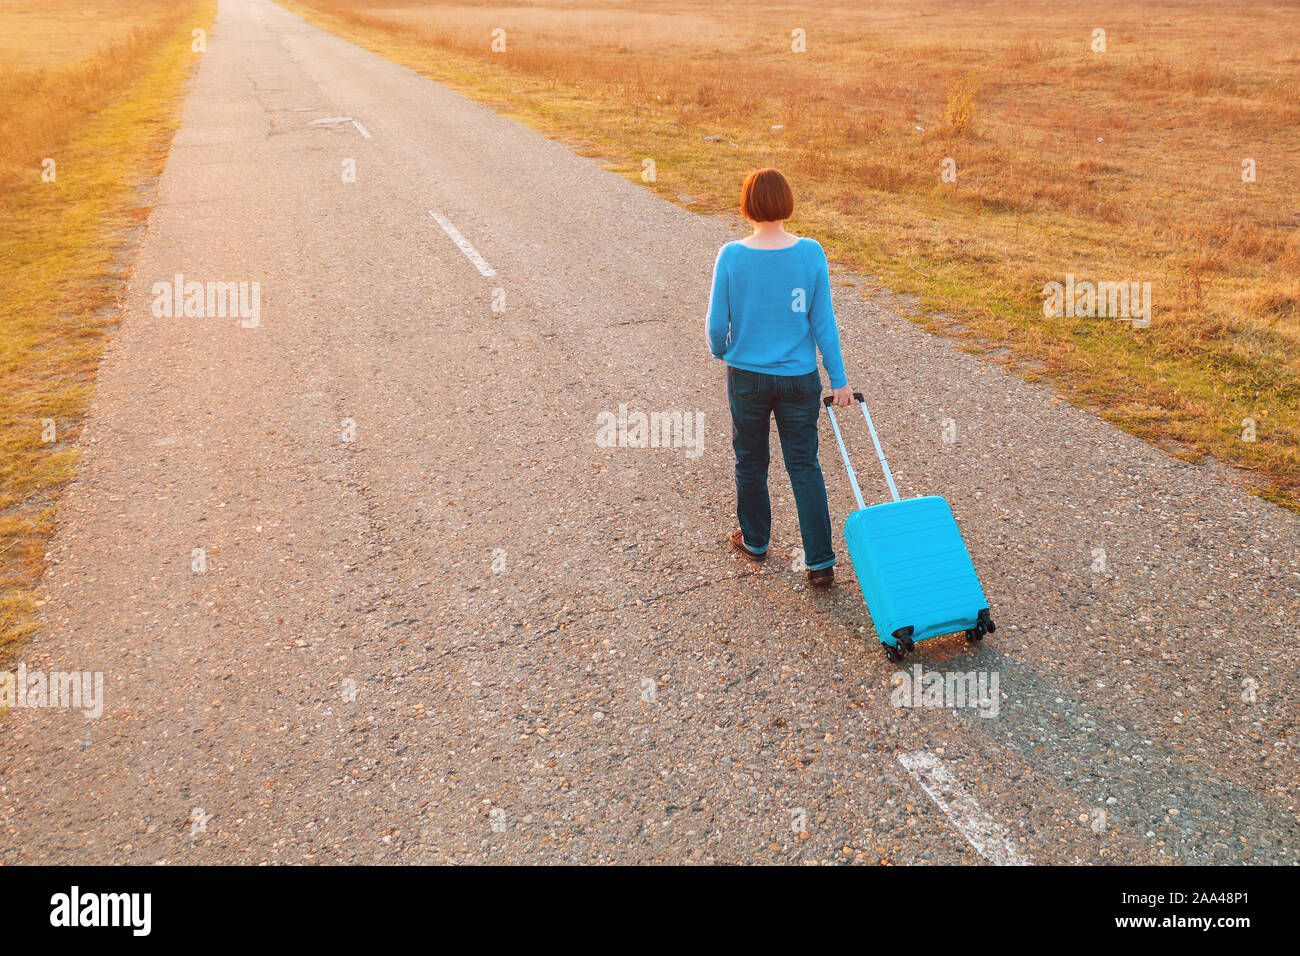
{"x":842,"y":396}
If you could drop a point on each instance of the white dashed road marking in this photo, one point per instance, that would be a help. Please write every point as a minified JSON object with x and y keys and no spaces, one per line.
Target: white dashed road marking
{"x":470,"y":252}
{"x":981,"y":831}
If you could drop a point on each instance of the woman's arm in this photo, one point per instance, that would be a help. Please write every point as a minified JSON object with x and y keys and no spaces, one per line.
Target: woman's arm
{"x":718,"y":322}
{"x":822,"y":316}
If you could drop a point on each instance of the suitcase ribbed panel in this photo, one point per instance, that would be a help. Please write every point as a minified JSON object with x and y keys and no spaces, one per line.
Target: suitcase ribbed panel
{"x":914,"y":568}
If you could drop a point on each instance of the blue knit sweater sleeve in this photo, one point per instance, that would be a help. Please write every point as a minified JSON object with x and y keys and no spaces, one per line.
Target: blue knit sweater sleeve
{"x":821,"y":314}
{"x":718,"y":322}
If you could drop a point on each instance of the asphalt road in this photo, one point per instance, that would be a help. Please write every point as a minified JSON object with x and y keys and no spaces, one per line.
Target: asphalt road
{"x":439,"y":621}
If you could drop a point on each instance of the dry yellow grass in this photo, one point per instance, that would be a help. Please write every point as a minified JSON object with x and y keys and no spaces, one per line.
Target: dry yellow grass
{"x":1122,"y":165}
{"x":105,"y":119}
{"x":52,"y":34}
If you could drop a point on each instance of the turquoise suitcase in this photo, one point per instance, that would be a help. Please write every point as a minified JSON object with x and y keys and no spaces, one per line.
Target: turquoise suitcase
{"x":912,"y":565}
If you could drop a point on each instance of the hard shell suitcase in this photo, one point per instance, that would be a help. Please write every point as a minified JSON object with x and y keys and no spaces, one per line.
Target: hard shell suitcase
{"x":916,"y":575}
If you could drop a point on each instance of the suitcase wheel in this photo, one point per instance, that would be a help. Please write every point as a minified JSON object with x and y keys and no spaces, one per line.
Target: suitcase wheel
{"x":904,"y":637}
{"x":895,"y":654}
{"x":983,"y":625}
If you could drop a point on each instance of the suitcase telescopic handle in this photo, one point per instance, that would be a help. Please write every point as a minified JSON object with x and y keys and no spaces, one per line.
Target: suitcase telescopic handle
{"x":857,"y":397}
{"x":875,"y":439}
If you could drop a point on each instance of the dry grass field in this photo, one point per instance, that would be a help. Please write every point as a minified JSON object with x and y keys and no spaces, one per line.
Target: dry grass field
{"x":1122,"y":164}
{"x":53,"y":34}
{"x":89,"y":96}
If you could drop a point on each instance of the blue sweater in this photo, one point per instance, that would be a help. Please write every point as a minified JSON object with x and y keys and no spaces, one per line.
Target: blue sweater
{"x":770,"y":311}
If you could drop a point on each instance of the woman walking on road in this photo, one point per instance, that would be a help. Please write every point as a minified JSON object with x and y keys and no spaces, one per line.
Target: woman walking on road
{"x":769,"y":315}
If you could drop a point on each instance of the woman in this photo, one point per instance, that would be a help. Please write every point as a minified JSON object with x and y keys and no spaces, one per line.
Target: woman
{"x":769,"y":314}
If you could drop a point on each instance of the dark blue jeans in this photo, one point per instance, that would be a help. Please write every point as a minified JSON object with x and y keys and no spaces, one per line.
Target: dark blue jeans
{"x":796,"y":403}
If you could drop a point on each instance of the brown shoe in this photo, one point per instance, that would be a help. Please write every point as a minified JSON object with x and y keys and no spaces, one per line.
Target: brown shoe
{"x":737,"y":543}
{"x":822,"y":578}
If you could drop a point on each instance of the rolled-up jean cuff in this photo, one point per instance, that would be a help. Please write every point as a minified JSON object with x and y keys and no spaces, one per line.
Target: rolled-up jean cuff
{"x":824,"y":564}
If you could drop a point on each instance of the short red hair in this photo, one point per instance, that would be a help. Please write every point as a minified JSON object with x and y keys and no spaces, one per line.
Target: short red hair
{"x":766,"y":197}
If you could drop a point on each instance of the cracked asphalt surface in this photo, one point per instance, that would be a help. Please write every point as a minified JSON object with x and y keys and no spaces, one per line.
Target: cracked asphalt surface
{"x":439,"y":622}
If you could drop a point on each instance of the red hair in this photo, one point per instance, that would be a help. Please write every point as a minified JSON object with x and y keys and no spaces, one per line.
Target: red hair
{"x":766,"y":197}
